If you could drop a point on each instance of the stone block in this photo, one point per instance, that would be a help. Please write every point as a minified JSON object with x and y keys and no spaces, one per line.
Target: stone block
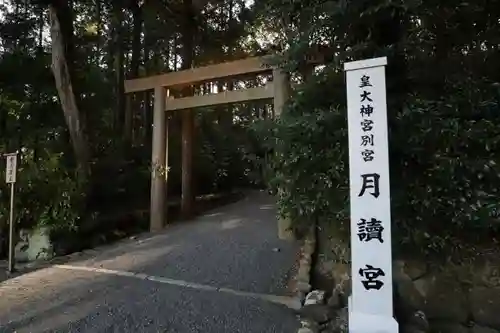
{"x":284,"y":229}
{"x":34,"y":245}
{"x":304,"y":272}
{"x":315,"y":297}
{"x":308,"y":249}
{"x":418,"y":320}
{"x":305,"y":261}
{"x":449,"y":328}
{"x":413,"y":268}
{"x":318,"y":313}
{"x":410,"y":298}
{"x":313,"y":326}
{"x":340,"y":322}
{"x":485,"y":306}
{"x":305,"y":330}
{"x":444,"y":298}
{"x":303,"y":287}
{"x":482,"y":329}
{"x":342,"y":277}
{"x":412,"y":329}
{"x":335,"y":301}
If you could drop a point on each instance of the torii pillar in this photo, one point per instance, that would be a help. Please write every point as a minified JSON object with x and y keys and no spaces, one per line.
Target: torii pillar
{"x":281,"y":83}
{"x":159,"y":162}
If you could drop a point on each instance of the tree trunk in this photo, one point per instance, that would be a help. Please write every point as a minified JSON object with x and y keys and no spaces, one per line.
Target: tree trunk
{"x":134,"y":67}
{"x":41,"y":23}
{"x":226,"y":118}
{"x":188,"y":26}
{"x":62,"y":76}
{"x":147,"y":114}
{"x":99,"y":31}
{"x":136,"y":39}
{"x":117,"y":22}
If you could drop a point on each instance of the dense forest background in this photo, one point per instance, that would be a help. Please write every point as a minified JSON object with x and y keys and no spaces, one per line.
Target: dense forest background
{"x":93,"y":179}
{"x":85,"y":165}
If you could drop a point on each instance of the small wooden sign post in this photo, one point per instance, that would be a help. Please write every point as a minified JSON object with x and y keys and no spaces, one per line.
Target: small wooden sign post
{"x":371,"y":302}
{"x":10,"y":178}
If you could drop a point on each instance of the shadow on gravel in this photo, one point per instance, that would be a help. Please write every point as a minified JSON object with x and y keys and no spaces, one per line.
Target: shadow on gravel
{"x":117,"y":304}
{"x":235,"y":246}
{"x":205,"y":203}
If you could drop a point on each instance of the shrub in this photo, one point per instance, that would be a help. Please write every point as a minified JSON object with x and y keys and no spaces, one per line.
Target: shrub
{"x":46,"y":195}
{"x":443,"y":164}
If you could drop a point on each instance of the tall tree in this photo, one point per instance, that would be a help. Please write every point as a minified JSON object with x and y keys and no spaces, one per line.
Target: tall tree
{"x":63,"y":57}
{"x":188,"y":26}
{"x":117,"y":53}
{"x":134,"y":65}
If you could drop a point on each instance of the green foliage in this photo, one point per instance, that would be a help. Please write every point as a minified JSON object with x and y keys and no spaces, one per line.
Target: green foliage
{"x":445,"y":175}
{"x":46,"y":194}
{"x":443,"y":107}
{"x":228,"y":155}
{"x":308,"y":142}
{"x":48,"y":191}
{"x":61,"y":203}
{"x":443,"y":79}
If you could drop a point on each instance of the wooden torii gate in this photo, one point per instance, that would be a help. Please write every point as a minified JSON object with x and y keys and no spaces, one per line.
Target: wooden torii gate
{"x":277,"y":90}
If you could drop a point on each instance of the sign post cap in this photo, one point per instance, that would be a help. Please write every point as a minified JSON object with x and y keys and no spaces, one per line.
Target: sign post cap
{"x":367,"y":63}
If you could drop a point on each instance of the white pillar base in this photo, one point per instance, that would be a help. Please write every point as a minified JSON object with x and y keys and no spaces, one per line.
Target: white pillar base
{"x":369,"y":323}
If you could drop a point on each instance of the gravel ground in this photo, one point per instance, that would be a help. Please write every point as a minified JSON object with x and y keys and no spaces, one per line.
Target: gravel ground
{"x":232,"y":247}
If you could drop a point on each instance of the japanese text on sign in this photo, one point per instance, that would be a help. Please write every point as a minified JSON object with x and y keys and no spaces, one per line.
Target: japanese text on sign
{"x":369,"y":188}
{"x":11,"y":169}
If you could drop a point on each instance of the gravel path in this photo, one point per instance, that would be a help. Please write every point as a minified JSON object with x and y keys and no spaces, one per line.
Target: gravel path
{"x":223,"y":255}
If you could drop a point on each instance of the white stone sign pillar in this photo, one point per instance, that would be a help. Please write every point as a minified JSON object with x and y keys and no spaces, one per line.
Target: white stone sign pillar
{"x":10,"y":178}
{"x":370,"y":306}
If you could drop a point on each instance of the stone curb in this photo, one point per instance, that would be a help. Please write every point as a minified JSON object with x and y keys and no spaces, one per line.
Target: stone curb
{"x":303,"y":278}
{"x":27,"y":267}
{"x":315,"y":316}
